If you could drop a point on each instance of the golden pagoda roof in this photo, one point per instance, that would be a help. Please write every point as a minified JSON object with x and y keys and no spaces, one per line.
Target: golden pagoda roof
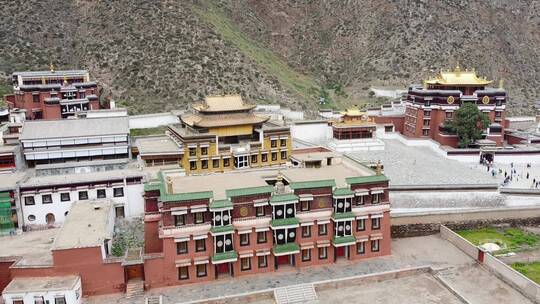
{"x":222,"y":120}
{"x":458,"y":77}
{"x":353,"y":111}
{"x":225,"y":103}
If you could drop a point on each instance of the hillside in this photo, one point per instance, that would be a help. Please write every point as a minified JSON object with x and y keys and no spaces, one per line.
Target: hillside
{"x":159,"y":55}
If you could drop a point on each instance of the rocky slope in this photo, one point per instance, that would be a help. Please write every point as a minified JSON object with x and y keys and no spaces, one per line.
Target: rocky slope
{"x":158,"y":55}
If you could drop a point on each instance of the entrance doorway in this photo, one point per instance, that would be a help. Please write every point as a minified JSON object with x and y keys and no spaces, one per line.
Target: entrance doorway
{"x":134,"y":272}
{"x":50,"y":219}
{"x":223,"y":270}
{"x":241,"y":161}
{"x":119,"y":210}
{"x":284,"y":261}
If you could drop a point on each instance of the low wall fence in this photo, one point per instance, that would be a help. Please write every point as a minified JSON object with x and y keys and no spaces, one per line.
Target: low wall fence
{"x":512,"y":277}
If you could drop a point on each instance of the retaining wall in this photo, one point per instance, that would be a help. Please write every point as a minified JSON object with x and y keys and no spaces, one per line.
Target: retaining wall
{"x":459,"y":242}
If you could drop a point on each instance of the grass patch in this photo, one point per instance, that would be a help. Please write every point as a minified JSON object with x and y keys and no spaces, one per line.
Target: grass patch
{"x":4,"y":89}
{"x":530,"y":270}
{"x":148,"y":131}
{"x":300,"y":84}
{"x":510,"y":239}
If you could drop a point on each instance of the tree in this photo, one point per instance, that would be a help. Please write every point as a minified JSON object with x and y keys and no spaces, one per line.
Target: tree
{"x":469,"y":123}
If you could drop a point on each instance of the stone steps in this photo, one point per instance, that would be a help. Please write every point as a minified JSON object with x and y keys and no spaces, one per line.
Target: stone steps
{"x":303,"y":293}
{"x":134,"y":289}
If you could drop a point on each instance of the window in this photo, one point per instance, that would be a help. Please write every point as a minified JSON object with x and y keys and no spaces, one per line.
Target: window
{"x":273,"y":143}
{"x":31,"y":217}
{"x":323,"y":253}
{"x":360,"y":200}
{"x":264,"y":157}
{"x":118,"y":192}
{"x":18,"y":301}
{"x":306,"y":231}
{"x":375,"y":223}
{"x":361,"y":248}
{"x":192,"y":151}
{"x":101,"y":193}
{"x":427,"y":103}
{"x":182,"y":247}
{"x":426,"y":122}
{"x":245,"y":264}
{"x":259,"y":211}
{"x":274,"y":156}
{"x":120,"y":212}
{"x":254,"y":158}
{"x":215,"y":163}
{"x":29,"y":200}
{"x":304,"y":205}
{"x":263,"y":261}
{"x":198,"y":217}
{"x":427,"y":113}
{"x":244,"y":239}
{"x":261,"y":237}
{"x":39,"y":300}
{"x":283,"y":142}
{"x":60,"y":300}
{"x":283,"y":154}
{"x":498,"y":113}
{"x":360,"y":225}
{"x":193,"y":165}
{"x":204,"y":164}
{"x":200,"y":245}
{"x":204,"y":151}
{"x":449,"y":115}
{"x":180,"y":220}
{"x":498,"y":103}
{"x":83,"y":195}
{"x":226,"y":162}
{"x":322,"y":229}
{"x":183,"y":273}
{"x":46,"y":199}
{"x":35,"y":97}
{"x":201,"y":270}
{"x":425,"y":132}
{"x":375,"y":246}
{"x":306,"y":255}
{"x":82,"y":94}
{"x":375,"y":198}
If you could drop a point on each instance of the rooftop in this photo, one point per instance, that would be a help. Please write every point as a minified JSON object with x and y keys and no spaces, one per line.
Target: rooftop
{"x":49,"y":73}
{"x":9,"y":180}
{"x":88,"y":224}
{"x":74,"y":178}
{"x":223,"y":103}
{"x":49,"y":129}
{"x":220,"y":120}
{"x":41,"y":284}
{"x":458,"y":77}
{"x":157,"y":145}
{"x":32,"y":247}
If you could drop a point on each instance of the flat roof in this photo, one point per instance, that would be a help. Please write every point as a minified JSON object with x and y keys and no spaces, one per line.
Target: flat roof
{"x":88,"y":224}
{"x":32,"y":248}
{"x":74,"y":178}
{"x":49,"y":73}
{"x":238,"y":179}
{"x":157,"y":145}
{"x":9,"y":180}
{"x":48,"y":129}
{"x":41,"y":284}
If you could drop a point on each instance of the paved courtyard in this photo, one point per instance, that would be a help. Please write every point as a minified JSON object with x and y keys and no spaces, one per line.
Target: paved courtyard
{"x":406,"y":253}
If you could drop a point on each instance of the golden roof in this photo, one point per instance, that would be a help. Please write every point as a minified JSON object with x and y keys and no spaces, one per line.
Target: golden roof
{"x":222,"y":120}
{"x":225,"y":103}
{"x":458,"y":77}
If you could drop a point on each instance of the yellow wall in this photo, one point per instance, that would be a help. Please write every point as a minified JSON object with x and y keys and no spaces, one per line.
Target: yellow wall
{"x":232,"y":130}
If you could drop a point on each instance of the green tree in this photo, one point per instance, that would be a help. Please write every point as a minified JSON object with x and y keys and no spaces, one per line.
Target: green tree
{"x":469,"y":123}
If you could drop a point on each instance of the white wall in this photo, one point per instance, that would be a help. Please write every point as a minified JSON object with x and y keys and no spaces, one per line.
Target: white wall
{"x":311,"y":132}
{"x":132,"y":201}
{"x":152,"y":120}
{"x":73,"y":296}
{"x":459,"y":242}
{"x":513,"y":277}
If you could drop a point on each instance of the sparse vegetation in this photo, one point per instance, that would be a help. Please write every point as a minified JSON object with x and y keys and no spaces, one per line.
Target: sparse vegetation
{"x":127,"y":234}
{"x":147,"y":131}
{"x":530,"y":270}
{"x":509,"y":239}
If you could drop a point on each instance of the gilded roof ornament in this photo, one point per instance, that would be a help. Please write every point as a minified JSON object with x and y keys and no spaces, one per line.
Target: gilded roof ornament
{"x":51,"y":67}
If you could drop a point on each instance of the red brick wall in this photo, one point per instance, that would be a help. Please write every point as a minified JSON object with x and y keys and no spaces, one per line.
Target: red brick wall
{"x":398,"y":121}
{"x":152,"y":242}
{"x":5,"y":274}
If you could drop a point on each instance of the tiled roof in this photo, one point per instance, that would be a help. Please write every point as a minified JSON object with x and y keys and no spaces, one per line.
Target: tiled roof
{"x":313,"y":184}
{"x":366,"y":179}
{"x":249,"y":191}
{"x":153,"y":186}
{"x":221,"y":204}
{"x":224,"y":256}
{"x":285,"y":222}
{"x":45,"y":129}
{"x":220,"y":120}
{"x":344,"y":239}
{"x":343,"y":191}
{"x":189,"y":196}
{"x":276,"y":198}
{"x":289,"y":247}
{"x":223,"y":104}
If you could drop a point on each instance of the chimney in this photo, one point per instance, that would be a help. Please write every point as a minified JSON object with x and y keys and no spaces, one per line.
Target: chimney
{"x":378,"y":170}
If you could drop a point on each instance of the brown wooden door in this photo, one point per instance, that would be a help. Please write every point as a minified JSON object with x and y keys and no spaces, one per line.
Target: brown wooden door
{"x":134,"y":272}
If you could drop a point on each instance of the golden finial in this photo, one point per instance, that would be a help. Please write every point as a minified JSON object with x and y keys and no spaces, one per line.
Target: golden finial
{"x":425,"y":84}
{"x":378,"y":170}
{"x":51,"y":67}
{"x":279,"y":177}
{"x":169,"y":185}
{"x":65,"y":80}
{"x":501,"y":83}
{"x":43,"y":81}
{"x":457,"y":69}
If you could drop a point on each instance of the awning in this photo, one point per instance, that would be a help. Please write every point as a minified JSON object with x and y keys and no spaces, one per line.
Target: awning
{"x":262,"y":252}
{"x":307,"y":246}
{"x":377,"y":190}
{"x":178,"y":240}
{"x":262,"y":229}
{"x":362,"y":217}
{"x":200,"y":237}
{"x":179,"y":212}
{"x":321,"y":222}
{"x":361,"y":192}
{"x":305,"y":197}
{"x":182,"y":263}
{"x":201,"y":261}
{"x":325,"y":243}
{"x":378,"y":236}
{"x":244,"y":231}
{"x":307,"y":224}
{"x":361,"y":239}
{"x":246,"y":254}
{"x":376,"y":215}
{"x":260,"y":202}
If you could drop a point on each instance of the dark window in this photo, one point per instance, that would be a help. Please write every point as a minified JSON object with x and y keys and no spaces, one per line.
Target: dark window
{"x":360,"y":200}
{"x":82,"y":94}
{"x":215,"y":163}
{"x":375,"y":245}
{"x":254,"y":158}
{"x":261,"y":237}
{"x":259,"y":210}
{"x":118,"y":192}
{"x":244,"y":239}
{"x":304,"y":205}
{"x":361,"y":247}
{"x":273,"y":143}
{"x":226,"y":162}
{"x":199,"y":217}
{"x":200,"y":245}
{"x":64,"y":197}
{"x":29,"y":200}
{"x":427,"y":103}
{"x":180,"y":220}
{"x":204,"y":151}
{"x":498,"y":103}
{"x":263,"y":261}
{"x":60,"y":300}
{"x":182,"y":247}
{"x":425,"y":132}
{"x":83,"y":195}
{"x":38,"y":300}
{"x":192,"y":151}
{"x":283,"y":142}
{"x":183,"y":273}
{"x":35,"y":97}
{"x":101,"y":193}
{"x":46,"y":199}
{"x":498,"y":113}
{"x":427,"y":113}
{"x":283,"y":154}
{"x":323,"y":253}
{"x":193,"y":165}
{"x":264,"y":157}
{"x":322,"y":229}
{"x":306,"y":255}
{"x":375,"y":223}
{"x":245,"y":263}
{"x":426,"y":122}
{"x":449,"y":115}
{"x":274,"y":156}
{"x":204,"y":164}
{"x":306,"y":231}
{"x":360,"y":225}
{"x":201,"y":270}
{"x":120,"y":213}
